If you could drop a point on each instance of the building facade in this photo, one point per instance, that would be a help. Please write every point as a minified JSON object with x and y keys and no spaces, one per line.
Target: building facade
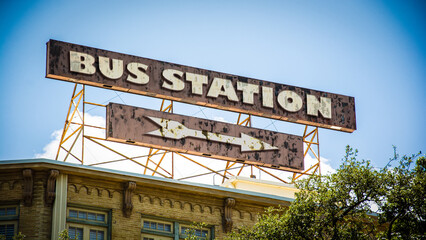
{"x":41,"y":197}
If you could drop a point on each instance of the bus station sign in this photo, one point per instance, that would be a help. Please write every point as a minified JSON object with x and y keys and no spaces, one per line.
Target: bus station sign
{"x":138,"y":75}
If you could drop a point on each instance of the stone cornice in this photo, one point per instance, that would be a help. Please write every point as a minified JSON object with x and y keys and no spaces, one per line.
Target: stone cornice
{"x":140,"y":179}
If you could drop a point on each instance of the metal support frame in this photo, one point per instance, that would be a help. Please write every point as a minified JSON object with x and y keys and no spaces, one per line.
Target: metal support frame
{"x":310,"y":139}
{"x":246,"y":121}
{"x":242,"y":121}
{"x":70,"y":124}
{"x":74,"y":131}
{"x":153,"y":151}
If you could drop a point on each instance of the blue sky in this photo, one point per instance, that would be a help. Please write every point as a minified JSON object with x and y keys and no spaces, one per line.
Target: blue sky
{"x":374,"y":51}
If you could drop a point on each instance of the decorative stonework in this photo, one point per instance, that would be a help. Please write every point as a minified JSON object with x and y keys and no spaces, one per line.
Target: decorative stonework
{"x":11,"y":184}
{"x":89,"y":189}
{"x":161,"y":201}
{"x":51,"y":187}
{"x":127,"y":204}
{"x":229,"y":204}
{"x":28,"y":187}
{"x":171,"y":203}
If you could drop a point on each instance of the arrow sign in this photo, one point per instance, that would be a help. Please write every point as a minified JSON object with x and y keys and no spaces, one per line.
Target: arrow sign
{"x":176,"y":130}
{"x":203,"y":137}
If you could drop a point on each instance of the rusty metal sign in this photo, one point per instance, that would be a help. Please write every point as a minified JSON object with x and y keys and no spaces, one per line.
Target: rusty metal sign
{"x":178,"y":133}
{"x":122,"y":72}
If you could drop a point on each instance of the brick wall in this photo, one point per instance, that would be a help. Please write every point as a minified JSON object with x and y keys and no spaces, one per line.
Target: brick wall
{"x":155,"y":202}
{"x":34,"y":221}
{"x":170,"y":203}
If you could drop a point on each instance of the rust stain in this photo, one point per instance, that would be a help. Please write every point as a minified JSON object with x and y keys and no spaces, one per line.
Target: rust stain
{"x":342,"y":116}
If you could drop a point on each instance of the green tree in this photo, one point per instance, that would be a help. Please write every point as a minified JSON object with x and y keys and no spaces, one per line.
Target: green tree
{"x":191,"y":232}
{"x":19,"y":236}
{"x":404,"y":208}
{"x":64,"y":235}
{"x":341,"y":205}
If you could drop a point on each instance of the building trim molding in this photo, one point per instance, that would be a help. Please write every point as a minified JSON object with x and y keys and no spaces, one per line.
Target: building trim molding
{"x":28,"y":187}
{"x":229,"y":204}
{"x":129,"y":187}
{"x":50,"y":188}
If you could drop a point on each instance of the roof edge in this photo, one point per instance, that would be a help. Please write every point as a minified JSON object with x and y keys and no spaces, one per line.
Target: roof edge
{"x":120,"y":174}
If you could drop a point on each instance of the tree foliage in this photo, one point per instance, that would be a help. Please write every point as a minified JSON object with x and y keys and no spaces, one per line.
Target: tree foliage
{"x":356,"y":202}
{"x":18,"y":236}
{"x":194,"y":231}
{"x":404,"y":206}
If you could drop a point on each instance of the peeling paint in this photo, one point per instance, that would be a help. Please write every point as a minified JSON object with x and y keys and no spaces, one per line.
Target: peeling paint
{"x":138,"y":75}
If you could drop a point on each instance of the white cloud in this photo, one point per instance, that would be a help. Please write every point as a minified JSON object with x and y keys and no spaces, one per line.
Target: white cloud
{"x":325,"y":167}
{"x":49,"y":151}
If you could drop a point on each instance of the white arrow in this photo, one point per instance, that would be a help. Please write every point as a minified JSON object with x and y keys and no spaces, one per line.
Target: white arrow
{"x":176,"y":130}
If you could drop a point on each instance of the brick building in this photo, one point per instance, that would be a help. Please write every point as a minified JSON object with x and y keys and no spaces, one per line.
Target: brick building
{"x":41,"y":197}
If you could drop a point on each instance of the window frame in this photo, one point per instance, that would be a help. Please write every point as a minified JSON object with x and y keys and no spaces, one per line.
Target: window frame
{"x":157,"y":232}
{"x":176,"y":228}
{"x":86,"y":229}
{"x":15,"y":225}
{"x":154,"y":236}
{"x":90,"y":224}
{"x":86,"y":221}
{"x":11,"y":219}
{"x":157,"y":222}
{"x":183,"y":235}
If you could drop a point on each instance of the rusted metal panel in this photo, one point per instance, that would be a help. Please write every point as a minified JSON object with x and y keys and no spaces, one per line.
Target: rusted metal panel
{"x":111,"y":70}
{"x":202,"y":137}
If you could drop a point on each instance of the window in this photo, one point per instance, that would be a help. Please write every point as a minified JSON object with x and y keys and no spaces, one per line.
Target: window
{"x":146,"y":236}
{"x":8,"y":211}
{"x":8,"y":229}
{"x":85,"y":215}
{"x":153,"y":229}
{"x":75,"y":232}
{"x":96,"y":234}
{"x":8,"y":221}
{"x":86,"y":232}
{"x":202,"y":233}
{"x":158,"y":228}
{"x":86,"y":224}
